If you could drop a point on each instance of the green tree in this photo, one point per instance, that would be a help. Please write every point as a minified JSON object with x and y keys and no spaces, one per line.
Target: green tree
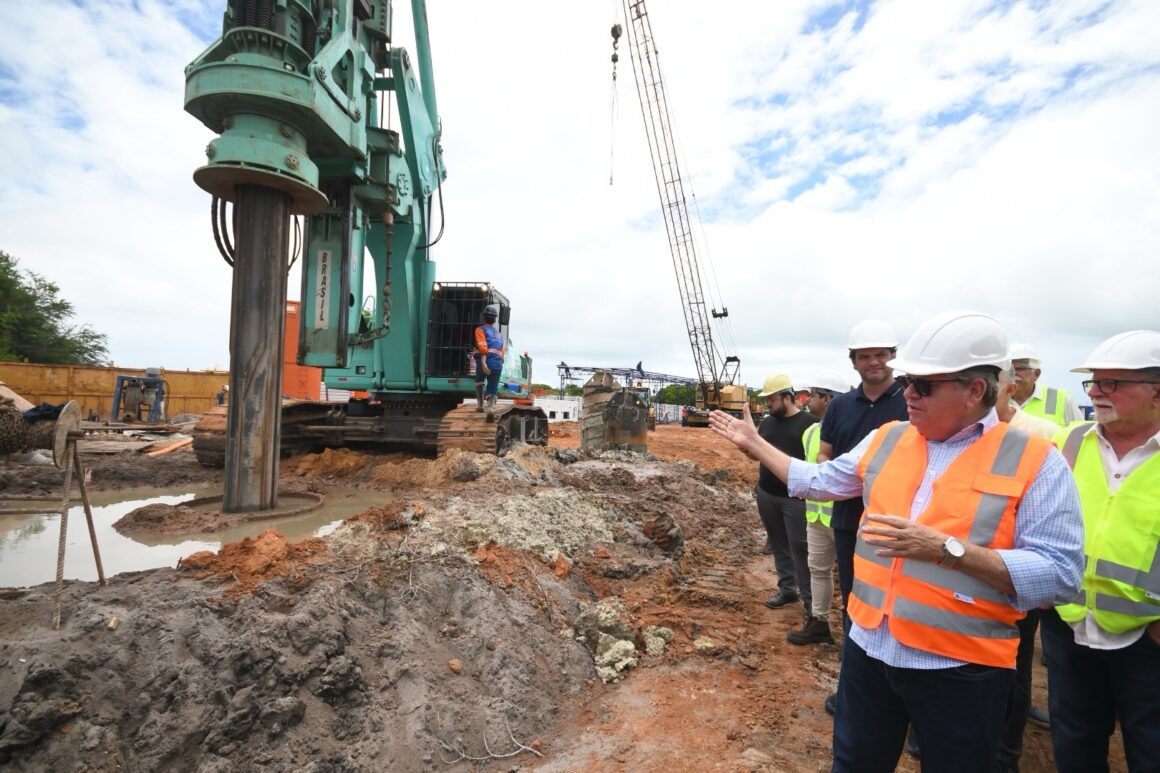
{"x":34,"y":322}
{"x":674,"y":394}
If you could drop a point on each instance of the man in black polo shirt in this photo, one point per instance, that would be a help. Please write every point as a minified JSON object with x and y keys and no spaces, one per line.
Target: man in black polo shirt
{"x":851,"y":417}
{"x":783,"y":516}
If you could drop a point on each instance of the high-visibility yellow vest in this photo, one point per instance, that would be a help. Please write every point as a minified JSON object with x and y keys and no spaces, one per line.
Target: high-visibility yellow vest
{"x":1053,"y":405}
{"x":816,"y":511}
{"x":1121,"y":579}
{"x":927,"y":606}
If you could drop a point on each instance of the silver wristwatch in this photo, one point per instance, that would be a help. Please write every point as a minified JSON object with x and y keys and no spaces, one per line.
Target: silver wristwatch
{"x":953,"y":550}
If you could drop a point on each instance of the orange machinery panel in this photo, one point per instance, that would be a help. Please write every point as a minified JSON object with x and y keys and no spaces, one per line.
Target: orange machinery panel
{"x":301,"y":382}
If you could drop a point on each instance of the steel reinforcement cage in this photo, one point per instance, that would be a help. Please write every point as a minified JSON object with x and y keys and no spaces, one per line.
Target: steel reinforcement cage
{"x":456,"y":311}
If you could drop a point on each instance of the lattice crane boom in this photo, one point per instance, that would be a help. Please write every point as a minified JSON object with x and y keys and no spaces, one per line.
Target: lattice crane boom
{"x":713,"y":369}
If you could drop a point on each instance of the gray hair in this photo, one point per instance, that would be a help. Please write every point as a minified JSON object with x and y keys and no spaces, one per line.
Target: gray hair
{"x":990,"y":376}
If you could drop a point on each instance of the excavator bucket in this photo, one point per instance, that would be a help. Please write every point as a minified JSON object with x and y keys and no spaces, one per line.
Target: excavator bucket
{"x":614,"y":417}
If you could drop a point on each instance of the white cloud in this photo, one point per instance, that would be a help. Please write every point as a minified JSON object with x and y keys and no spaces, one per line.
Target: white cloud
{"x":939,"y":155}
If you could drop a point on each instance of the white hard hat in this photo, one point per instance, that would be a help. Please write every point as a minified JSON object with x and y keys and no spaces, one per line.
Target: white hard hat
{"x":1134,"y":350}
{"x":1025,"y":352}
{"x":872,"y":334}
{"x":830,"y":381}
{"x":954,"y":341}
{"x":774,"y":383}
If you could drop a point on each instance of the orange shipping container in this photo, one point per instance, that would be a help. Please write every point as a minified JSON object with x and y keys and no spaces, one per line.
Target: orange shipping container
{"x":301,"y":382}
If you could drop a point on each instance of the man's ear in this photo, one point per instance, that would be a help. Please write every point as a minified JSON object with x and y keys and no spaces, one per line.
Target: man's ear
{"x":977,"y":388}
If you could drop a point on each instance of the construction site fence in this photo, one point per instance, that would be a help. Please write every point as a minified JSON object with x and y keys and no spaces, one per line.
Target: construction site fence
{"x":190,"y":391}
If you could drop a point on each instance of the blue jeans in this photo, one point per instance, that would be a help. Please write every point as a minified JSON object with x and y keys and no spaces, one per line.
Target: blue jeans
{"x":491,"y":379}
{"x":957,"y":714}
{"x":1089,"y":689}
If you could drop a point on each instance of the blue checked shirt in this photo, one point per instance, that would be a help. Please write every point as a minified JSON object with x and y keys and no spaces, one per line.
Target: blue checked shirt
{"x":1046,"y":564}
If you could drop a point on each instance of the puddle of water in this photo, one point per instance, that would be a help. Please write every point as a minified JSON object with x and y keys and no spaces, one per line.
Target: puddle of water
{"x":28,"y":543}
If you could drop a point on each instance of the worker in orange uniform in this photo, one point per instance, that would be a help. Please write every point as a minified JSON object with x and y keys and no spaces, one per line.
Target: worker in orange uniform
{"x":969,"y":523}
{"x":488,"y":359}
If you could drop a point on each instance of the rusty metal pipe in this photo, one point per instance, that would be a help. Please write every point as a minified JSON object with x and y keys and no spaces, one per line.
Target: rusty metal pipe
{"x":257,"y":322}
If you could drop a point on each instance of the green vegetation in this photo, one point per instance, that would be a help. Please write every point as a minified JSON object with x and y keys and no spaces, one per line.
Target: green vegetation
{"x":674,"y":394}
{"x":34,"y":322}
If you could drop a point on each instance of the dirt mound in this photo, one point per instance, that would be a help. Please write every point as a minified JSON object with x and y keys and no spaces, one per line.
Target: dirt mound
{"x":451,"y":466}
{"x":170,"y":519}
{"x":402,"y":674}
{"x":330,"y":463}
{"x":255,"y":560}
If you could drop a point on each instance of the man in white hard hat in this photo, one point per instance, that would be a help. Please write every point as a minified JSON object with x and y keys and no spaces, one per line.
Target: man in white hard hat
{"x":1103,"y":648}
{"x":1034,"y":398}
{"x":783,"y":516}
{"x":1020,"y":708}
{"x":850,"y":417}
{"x":823,"y":387}
{"x":968,"y":524}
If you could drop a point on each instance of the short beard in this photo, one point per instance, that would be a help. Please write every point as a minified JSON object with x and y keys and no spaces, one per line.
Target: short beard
{"x":1105,"y":415}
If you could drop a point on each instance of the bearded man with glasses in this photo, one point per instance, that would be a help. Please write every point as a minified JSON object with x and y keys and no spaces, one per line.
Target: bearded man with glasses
{"x":1103,"y":648}
{"x":969,"y":523}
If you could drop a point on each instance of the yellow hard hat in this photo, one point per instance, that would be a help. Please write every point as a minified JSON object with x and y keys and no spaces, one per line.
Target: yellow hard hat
{"x":778,"y":382}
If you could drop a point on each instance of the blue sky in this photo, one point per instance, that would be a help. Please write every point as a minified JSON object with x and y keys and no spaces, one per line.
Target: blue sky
{"x":888,"y":159}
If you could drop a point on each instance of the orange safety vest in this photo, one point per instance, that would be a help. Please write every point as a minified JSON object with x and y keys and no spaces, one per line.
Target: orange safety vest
{"x":929,"y":607}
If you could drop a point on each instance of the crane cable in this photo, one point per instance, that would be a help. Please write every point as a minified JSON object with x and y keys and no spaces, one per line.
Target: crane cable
{"x":612,"y":103}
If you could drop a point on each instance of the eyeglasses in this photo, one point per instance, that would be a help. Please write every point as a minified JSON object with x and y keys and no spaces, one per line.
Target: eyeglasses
{"x":924,"y":386}
{"x":1109,"y":385}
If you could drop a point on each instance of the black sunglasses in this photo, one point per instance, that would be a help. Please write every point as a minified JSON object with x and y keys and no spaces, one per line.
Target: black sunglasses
{"x":1109,"y":385}
{"x":924,"y":386}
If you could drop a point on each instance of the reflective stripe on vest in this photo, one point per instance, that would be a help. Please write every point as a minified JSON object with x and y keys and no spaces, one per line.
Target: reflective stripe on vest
{"x":929,"y":607}
{"x":1052,"y":407}
{"x":1121,"y":581}
{"x":1050,"y":400}
{"x":1070,"y":446}
{"x":815,"y":510}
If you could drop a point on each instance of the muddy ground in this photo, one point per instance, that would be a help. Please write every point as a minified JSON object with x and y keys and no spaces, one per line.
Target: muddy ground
{"x":548,"y":611}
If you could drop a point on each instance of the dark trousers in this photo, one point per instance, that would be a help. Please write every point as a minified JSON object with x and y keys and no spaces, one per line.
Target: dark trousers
{"x":784,"y":519}
{"x":844,"y":540}
{"x":1011,"y":745}
{"x":1088,"y":690}
{"x":952,"y":710}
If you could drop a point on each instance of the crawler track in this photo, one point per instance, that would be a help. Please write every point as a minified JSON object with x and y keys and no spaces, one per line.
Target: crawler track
{"x":310,"y":425}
